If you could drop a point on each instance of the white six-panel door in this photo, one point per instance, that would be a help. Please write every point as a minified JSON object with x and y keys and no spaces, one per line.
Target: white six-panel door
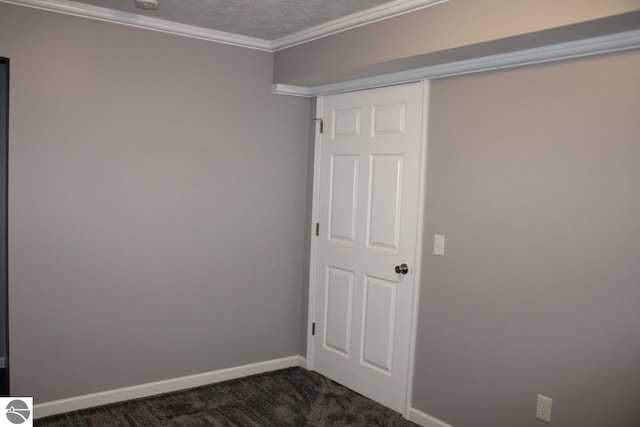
{"x":367,"y":208}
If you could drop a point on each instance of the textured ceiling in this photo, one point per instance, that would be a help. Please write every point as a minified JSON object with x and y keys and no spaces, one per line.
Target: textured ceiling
{"x":264,"y":19}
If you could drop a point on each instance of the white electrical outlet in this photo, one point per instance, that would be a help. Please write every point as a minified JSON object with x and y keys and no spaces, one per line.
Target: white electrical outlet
{"x":543,"y":409}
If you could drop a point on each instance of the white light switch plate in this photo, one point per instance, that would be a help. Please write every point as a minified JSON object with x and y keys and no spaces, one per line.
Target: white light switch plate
{"x":438,"y":244}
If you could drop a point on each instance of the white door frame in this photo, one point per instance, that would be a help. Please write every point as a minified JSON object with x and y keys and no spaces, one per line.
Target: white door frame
{"x":419,"y":227}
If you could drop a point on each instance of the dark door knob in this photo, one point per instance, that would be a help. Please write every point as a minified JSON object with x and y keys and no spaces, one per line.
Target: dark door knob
{"x":402,"y":269}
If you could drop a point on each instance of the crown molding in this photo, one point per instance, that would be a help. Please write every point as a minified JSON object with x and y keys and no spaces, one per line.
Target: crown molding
{"x":575,"y":49}
{"x":358,"y":19}
{"x":292,"y":90}
{"x":146,"y":22}
{"x":569,"y":50}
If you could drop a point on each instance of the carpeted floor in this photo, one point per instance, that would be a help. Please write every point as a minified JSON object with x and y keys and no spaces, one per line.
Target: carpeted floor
{"x":289,"y":397}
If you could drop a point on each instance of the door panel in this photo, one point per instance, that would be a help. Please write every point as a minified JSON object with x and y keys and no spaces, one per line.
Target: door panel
{"x":388,"y":120}
{"x":368,"y":199}
{"x":346,"y":123}
{"x":385,"y":194}
{"x":343,"y":198}
{"x":379,"y":322}
{"x":338,"y":303}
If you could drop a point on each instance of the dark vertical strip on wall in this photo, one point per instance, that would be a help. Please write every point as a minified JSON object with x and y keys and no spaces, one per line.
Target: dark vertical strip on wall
{"x":4,"y":197}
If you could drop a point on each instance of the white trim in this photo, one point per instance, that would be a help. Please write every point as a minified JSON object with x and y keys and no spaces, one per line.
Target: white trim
{"x":313,"y":256}
{"x":355,"y":20}
{"x":150,"y":389}
{"x":146,"y":22}
{"x":281,"y":89}
{"x":425,"y":420}
{"x":422,"y":186}
{"x":568,"y":50}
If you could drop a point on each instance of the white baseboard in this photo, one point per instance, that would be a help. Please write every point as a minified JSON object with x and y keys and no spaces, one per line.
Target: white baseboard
{"x":425,"y":420}
{"x":143,"y":390}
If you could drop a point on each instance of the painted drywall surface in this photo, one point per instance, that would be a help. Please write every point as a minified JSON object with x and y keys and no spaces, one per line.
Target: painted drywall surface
{"x":440,"y":33}
{"x":533,"y":178}
{"x":157,"y":195}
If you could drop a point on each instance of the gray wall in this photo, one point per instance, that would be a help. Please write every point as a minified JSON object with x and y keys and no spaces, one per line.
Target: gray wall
{"x":444,"y":33}
{"x":533,"y":176}
{"x":157,"y":205}
{"x":158,"y":223}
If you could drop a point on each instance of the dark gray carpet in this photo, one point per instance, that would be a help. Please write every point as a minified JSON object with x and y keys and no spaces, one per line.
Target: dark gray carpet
{"x":289,"y":397}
